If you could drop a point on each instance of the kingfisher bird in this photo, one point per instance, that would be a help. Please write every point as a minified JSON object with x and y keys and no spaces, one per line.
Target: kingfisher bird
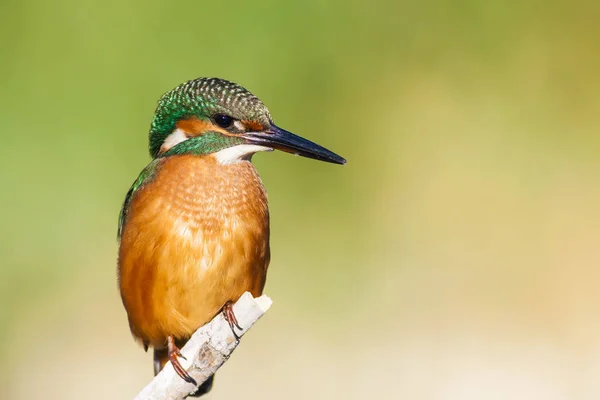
{"x":194,"y":227}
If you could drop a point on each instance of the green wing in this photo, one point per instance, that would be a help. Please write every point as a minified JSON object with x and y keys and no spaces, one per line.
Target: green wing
{"x":145,"y":176}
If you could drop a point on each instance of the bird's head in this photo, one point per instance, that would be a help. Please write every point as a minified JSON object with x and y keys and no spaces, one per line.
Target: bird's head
{"x":218,"y":117}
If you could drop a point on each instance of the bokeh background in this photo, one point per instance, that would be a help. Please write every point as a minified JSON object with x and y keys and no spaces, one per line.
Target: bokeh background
{"x":455,"y":256}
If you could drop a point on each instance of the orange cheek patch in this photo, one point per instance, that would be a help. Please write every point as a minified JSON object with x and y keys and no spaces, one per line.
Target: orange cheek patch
{"x":194,"y":126}
{"x":253,"y":126}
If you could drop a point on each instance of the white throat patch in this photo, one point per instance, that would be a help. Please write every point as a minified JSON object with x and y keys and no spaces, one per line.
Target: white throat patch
{"x":238,"y":153}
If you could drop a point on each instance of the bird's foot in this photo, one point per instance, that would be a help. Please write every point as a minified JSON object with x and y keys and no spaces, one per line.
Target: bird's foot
{"x":230,"y":318}
{"x":174,"y":355}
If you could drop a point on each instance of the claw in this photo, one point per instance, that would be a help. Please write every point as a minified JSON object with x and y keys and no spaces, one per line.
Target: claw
{"x":178,"y":353}
{"x":174,"y":354}
{"x":230,"y":318}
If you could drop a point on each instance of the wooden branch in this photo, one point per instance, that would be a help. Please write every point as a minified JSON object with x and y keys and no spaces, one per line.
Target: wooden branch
{"x":208,"y":348}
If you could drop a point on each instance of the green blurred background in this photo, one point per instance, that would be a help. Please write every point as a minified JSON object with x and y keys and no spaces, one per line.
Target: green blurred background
{"x":455,"y":256}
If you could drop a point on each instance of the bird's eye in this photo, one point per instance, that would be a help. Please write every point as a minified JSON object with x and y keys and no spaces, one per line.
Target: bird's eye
{"x":224,"y":121}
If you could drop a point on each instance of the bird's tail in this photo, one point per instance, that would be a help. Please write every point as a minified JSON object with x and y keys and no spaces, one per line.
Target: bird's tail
{"x":161,"y":356}
{"x":204,"y":388}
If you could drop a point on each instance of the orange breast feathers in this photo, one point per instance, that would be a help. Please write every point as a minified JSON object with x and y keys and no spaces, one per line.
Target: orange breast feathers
{"x":196,"y":236}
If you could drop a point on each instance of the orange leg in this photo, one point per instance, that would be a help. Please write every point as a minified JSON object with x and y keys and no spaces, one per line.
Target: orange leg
{"x":174,"y":353}
{"x":230,"y":317}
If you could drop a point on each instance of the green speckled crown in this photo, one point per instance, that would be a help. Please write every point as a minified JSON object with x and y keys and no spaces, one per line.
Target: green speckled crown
{"x":203,"y":98}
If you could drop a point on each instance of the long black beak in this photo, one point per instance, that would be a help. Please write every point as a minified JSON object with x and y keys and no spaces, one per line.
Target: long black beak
{"x":283,"y":140}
